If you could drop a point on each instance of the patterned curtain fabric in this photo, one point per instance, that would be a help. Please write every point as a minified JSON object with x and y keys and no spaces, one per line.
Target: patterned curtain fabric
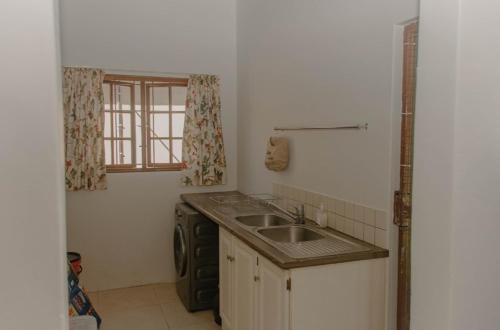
{"x":203,"y":145}
{"x":84,"y":122}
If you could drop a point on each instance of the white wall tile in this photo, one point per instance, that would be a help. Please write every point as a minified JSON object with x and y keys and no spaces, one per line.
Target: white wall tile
{"x":309,"y":211}
{"x":284,"y":191}
{"x":316,"y":198}
{"x":359,"y":230}
{"x":315,"y":211}
{"x":359,"y":213}
{"x":331,"y":204}
{"x":309,"y":197}
{"x":381,"y":220}
{"x":331,"y":220}
{"x":369,"y":217}
{"x":369,"y":234}
{"x":285,"y":203}
{"x":349,"y":227}
{"x":381,"y":238}
{"x":323,"y":200}
{"x":361,"y":222}
{"x":340,"y":207}
{"x":349,"y":210}
{"x":300,"y":195}
{"x":340,"y":223}
{"x":275,"y":189}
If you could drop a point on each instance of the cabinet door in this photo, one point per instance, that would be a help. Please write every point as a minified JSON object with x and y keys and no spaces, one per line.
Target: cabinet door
{"x":272,"y":305}
{"x":244,"y":286}
{"x":226,"y":279}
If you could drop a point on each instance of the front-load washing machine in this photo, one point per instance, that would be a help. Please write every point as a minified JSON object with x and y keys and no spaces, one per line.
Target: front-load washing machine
{"x":196,"y":252}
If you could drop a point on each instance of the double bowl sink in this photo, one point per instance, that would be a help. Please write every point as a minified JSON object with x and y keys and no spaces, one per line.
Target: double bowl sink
{"x":295,"y":240}
{"x":279,"y":229}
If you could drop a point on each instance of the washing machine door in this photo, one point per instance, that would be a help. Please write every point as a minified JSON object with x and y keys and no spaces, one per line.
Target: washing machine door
{"x":180,"y":251}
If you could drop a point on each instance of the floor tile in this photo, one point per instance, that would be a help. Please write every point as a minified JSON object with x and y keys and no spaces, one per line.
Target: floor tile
{"x":124,"y":299}
{"x":165,"y":293}
{"x":142,"y":318}
{"x":177,"y":316}
{"x":152,"y":307}
{"x":94,"y":297}
{"x":201,"y":326}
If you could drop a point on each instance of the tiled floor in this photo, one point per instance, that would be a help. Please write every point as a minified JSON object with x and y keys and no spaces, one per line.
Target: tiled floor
{"x":152,"y":307}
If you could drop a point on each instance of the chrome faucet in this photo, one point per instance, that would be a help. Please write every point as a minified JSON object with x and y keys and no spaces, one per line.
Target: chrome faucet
{"x":299,"y":215}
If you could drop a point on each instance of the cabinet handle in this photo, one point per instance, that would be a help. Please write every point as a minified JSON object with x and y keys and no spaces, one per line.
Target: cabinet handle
{"x":231,"y":259}
{"x":256,"y":278}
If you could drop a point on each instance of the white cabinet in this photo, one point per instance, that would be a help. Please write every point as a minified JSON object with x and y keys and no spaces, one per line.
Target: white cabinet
{"x":272,"y":297}
{"x":244,"y":267}
{"x":344,"y":296}
{"x":226,"y":278}
{"x":253,"y":293}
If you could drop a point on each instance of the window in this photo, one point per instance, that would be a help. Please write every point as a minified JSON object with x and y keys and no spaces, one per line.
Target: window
{"x":144,"y":123}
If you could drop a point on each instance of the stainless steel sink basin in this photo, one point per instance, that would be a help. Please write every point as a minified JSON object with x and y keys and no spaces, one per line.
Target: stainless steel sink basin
{"x":262,"y":220}
{"x":290,"y":234}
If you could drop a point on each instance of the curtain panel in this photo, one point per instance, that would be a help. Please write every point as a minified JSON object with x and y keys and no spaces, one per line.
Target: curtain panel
{"x":203,"y":145}
{"x":83,"y":99}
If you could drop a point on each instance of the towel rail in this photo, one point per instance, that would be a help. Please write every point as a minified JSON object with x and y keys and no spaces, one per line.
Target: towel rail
{"x":356,"y":127}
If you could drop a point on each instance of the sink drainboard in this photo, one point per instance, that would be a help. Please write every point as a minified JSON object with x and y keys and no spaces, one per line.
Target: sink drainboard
{"x":318,"y":248}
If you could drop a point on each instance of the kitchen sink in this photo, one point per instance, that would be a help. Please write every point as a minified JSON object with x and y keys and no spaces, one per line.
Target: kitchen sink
{"x":262,"y":220}
{"x":290,"y":234}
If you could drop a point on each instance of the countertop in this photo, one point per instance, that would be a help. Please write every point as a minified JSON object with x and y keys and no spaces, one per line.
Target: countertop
{"x":203,"y":203}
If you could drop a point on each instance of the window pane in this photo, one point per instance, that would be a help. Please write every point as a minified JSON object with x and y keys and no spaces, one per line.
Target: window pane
{"x":159,"y":124}
{"x":123,"y":98}
{"x":105,"y":89}
{"x":159,"y":98}
{"x":137,"y":97}
{"x":127,"y":152}
{"x":161,"y":151}
{"x":122,"y":124}
{"x":179,"y":98}
{"x":107,"y":124}
{"x":138,"y":138}
{"x":107,"y":151}
{"x":123,"y":152}
{"x":177,"y":151}
{"x":177,"y":124}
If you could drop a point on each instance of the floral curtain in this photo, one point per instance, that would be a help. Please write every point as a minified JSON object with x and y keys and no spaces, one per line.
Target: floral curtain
{"x":83,"y":125}
{"x":203,"y":145}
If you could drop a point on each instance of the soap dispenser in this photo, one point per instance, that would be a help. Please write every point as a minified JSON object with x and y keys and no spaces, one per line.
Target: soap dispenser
{"x":322,"y":217}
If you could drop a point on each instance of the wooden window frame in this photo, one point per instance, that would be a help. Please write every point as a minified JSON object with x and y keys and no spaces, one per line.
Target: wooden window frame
{"x":145,"y":82}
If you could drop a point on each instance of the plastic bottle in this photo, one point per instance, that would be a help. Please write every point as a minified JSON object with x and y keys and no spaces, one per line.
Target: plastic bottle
{"x":322,"y":217}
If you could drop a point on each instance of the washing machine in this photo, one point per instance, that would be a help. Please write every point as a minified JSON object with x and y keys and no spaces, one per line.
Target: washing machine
{"x":196,"y":253}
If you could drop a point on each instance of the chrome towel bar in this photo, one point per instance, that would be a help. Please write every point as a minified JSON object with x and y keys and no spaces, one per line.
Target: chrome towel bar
{"x":356,"y":127}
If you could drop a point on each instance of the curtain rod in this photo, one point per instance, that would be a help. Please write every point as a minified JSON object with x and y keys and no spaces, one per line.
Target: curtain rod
{"x":135,"y":72}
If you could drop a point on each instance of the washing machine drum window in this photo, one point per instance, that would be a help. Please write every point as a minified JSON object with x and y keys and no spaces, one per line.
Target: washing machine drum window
{"x":180,"y":251}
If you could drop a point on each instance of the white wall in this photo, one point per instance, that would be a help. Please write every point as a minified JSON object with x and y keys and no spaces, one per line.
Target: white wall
{"x":32,"y":231}
{"x":433,"y":180}
{"x":476,"y":263}
{"x":319,"y":63}
{"x":456,"y":265}
{"x":323,"y":63}
{"x":125,"y":233}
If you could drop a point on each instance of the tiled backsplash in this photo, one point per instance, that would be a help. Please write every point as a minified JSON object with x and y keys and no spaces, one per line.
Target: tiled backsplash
{"x":359,"y":221}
